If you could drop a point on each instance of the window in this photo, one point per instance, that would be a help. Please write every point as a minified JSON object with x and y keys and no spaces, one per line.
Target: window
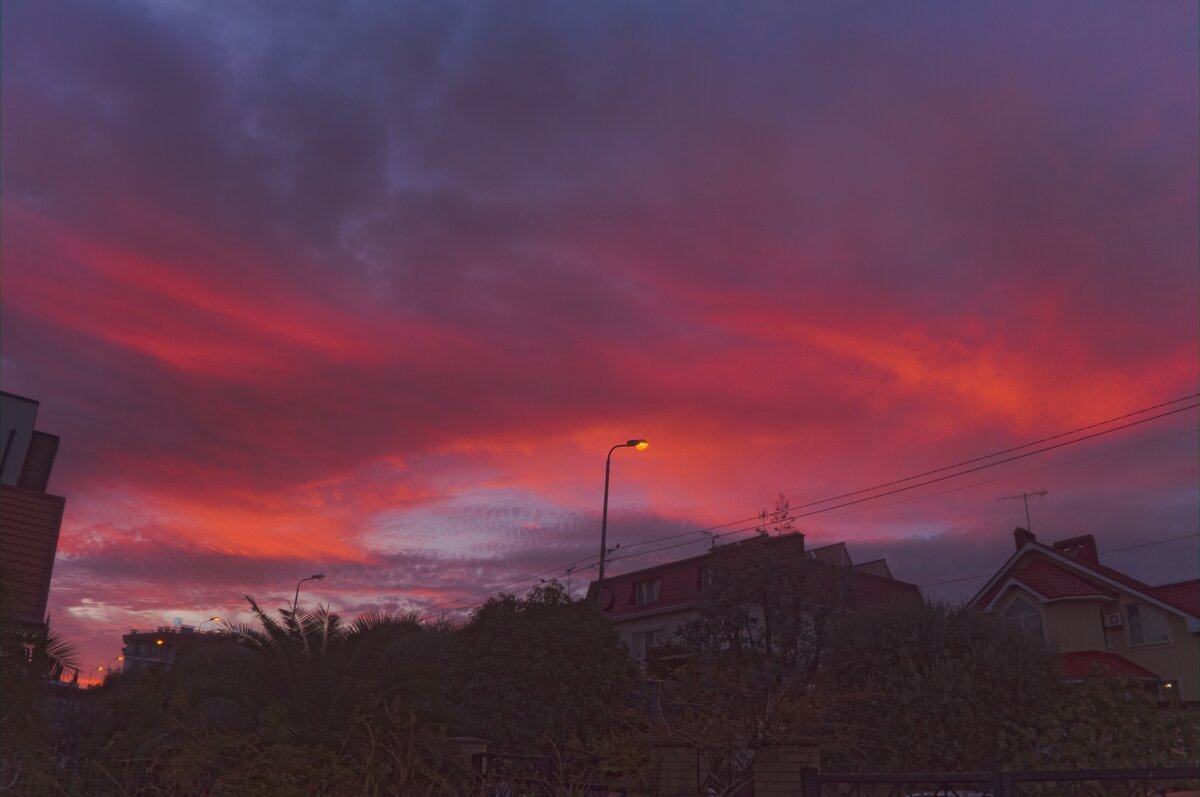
{"x":1023,"y":616}
{"x":642,"y":642}
{"x":1147,"y":625}
{"x":646,"y":591}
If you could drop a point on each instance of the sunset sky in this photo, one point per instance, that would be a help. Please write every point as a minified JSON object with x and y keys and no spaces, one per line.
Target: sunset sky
{"x":370,"y":289}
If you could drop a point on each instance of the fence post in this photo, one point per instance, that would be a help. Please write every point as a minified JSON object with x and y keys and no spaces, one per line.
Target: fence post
{"x":810,"y":786}
{"x":1002,"y":785}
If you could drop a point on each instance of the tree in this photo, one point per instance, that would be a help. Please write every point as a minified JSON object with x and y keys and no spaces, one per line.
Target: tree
{"x":30,"y":656}
{"x":740,"y":676}
{"x":1103,"y":722}
{"x":541,"y":673}
{"x":931,"y":686}
{"x":297,"y":703}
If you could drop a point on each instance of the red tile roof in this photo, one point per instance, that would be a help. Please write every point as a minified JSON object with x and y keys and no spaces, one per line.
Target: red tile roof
{"x":681,"y":582}
{"x":1053,"y":582}
{"x":1184,"y":594}
{"x":1092,"y":663}
{"x":29,"y":524}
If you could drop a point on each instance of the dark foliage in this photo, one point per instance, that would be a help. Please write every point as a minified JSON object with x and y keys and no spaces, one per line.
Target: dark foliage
{"x":541,"y":673}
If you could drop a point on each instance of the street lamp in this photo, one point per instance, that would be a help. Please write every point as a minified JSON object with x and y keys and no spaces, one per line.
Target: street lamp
{"x":296,"y":600}
{"x":637,"y":445}
{"x":200,"y":627}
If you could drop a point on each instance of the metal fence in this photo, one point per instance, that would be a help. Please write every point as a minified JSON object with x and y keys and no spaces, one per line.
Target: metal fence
{"x":504,"y":775}
{"x":1168,"y":782}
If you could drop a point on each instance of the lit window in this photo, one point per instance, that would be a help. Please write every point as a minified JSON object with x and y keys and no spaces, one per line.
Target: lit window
{"x":646,"y":591}
{"x":1023,"y":616}
{"x":1147,"y":625}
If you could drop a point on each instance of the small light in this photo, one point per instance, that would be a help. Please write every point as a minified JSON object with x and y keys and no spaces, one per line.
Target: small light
{"x":99,"y":668}
{"x":120,"y":658}
{"x":158,"y":641}
{"x":1168,"y":685}
{"x":640,"y":445}
{"x":214,"y":619}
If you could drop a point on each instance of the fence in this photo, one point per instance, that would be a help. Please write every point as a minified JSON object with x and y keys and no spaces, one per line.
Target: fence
{"x":1179,"y":781}
{"x":503,"y":775}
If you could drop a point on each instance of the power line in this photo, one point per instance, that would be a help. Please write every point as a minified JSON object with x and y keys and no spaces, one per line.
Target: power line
{"x":973,"y":460}
{"x":1110,"y":550}
{"x":1110,"y":452}
{"x":918,"y":484}
{"x":757,"y":518}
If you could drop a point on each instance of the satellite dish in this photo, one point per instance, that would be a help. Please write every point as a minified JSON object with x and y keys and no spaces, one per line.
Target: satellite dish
{"x":178,"y":621}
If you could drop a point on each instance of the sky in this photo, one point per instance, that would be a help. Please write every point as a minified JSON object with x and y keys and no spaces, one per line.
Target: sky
{"x":370,"y":289}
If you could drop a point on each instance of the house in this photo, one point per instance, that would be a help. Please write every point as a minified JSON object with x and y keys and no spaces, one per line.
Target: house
{"x":649,"y":605}
{"x":144,"y":650}
{"x":30,"y":517}
{"x":1101,"y":621}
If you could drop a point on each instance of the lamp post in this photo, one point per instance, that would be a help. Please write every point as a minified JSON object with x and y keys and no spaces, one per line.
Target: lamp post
{"x":637,"y":445}
{"x":200,"y":627}
{"x":296,"y":600}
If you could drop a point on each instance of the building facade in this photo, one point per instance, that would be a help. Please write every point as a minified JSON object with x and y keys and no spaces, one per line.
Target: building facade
{"x":1100,"y":620}
{"x":30,"y":517}
{"x":648,"y":606}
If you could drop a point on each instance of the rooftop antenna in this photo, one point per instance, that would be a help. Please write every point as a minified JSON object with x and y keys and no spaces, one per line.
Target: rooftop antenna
{"x":570,"y":570}
{"x":1025,"y":497}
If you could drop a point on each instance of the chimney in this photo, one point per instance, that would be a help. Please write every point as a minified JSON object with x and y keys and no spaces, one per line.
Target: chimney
{"x":1022,"y":536}
{"x":1081,"y":548}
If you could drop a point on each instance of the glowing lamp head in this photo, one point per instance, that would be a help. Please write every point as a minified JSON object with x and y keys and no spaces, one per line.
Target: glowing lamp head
{"x":640,"y":445}
{"x":158,"y":642}
{"x":319,"y":576}
{"x":120,"y":658}
{"x":214,"y":619}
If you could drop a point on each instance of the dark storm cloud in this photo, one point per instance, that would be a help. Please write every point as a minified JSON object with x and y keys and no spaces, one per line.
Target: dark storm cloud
{"x":289,"y":268}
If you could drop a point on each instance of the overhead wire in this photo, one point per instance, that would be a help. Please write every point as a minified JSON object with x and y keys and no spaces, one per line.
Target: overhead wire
{"x":757,"y":520}
{"x":1110,"y":550}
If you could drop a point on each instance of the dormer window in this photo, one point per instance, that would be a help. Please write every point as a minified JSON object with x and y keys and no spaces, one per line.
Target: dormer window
{"x":1023,"y":616}
{"x":1147,"y":625}
{"x":646,"y":591}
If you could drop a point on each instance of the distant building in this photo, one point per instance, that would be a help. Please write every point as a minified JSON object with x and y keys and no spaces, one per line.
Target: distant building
{"x":144,"y":650}
{"x":1101,"y":621}
{"x":650,"y":605}
{"x":30,"y":517}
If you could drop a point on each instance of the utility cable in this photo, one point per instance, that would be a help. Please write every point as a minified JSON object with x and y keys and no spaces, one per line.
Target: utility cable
{"x":757,"y":519}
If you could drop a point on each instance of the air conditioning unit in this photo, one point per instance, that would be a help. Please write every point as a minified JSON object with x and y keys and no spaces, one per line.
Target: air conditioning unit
{"x":1113,"y":620}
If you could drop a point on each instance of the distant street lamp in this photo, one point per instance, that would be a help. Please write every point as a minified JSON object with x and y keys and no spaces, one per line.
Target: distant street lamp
{"x":200,"y":627}
{"x":637,"y":445}
{"x":296,"y":600}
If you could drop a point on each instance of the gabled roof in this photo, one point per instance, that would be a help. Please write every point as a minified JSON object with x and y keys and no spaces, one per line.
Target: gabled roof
{"x":681,"y":583}
{"x":1092,"y":663}
{"x":1054,"y":582}
{"x":1065,"y":576}
{"x":1184,"y":594}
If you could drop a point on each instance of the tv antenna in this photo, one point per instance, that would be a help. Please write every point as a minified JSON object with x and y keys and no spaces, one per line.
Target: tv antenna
{"x":1025,"y":497}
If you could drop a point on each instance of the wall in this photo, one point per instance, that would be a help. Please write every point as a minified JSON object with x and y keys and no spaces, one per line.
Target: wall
{"x":1177,"y":660}
{"x":1074,"y":625}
